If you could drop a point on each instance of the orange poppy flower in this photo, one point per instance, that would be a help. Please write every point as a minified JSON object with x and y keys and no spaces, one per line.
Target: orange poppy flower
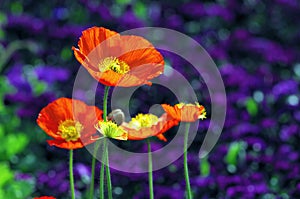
{"x":70,"y":122}
{"x":185,"y":112}
{"x":118,"y":60}
{"x":44,"y":197}
{"x":147,"y":125}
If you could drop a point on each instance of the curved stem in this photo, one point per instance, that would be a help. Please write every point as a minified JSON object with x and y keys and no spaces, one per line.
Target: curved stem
{"x":150,"y":174}
{"x":71,"y":174}
{"x":12,"y":48}
{"x":185,"y":163}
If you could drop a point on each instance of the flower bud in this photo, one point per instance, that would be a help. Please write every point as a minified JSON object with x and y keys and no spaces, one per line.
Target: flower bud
{"x":117,"y":116}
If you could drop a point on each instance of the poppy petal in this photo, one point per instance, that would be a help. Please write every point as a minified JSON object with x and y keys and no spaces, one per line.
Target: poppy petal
{"x":161,"y":137}
{"x":137,"y":51}
{"x":69,"y":110}
{"x":164,"y":124}
{"x":92,"y":37}
{"x":53,"y":114}
{"x":185,"y":112}
{"x":84,"y":60}
{"x":98,"y":44}
{"x":65,"y":145}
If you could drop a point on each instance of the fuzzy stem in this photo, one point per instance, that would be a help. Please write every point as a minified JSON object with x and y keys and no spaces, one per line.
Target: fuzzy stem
{"x":101,"y":188}
{"x":106,"y":89}
{"x":105,"y":154}
{"x":150,"y":174}
{"x":108,"y":178}
{"x":71,"y":174}
{"x":91,"y":196}
{"x":185,"y":163}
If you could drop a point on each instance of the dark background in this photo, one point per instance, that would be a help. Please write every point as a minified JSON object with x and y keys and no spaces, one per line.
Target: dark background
{"x":255,"y":45}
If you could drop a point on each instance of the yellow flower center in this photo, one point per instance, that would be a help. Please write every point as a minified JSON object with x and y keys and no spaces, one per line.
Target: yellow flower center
{"x":181,"y":105}
{"x":114,"y":64}
{"x":70,"y":130}
{"x":111,"y":130}
{"x":143,"y":120}
{"x":202,"y":115}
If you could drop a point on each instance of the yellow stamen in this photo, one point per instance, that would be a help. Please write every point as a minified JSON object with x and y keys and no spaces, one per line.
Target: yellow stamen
{"x":143,"y":120}
{"x":114,"y":64}
{"x":180,"y":105}
{"x":70,"y":130}
{"x":202,"y":115}
{"x":111,"y":130}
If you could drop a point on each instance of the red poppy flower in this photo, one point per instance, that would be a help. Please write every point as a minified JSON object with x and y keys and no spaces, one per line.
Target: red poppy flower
{"x":148,"y":125}
{"x":185,"y":112}
{"x":44,"y":197}
{"x":70,"y":122}
{"x":118,"y":60}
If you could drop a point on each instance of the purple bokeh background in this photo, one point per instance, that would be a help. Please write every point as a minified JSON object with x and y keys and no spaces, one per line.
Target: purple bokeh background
{"x":256,"y":46}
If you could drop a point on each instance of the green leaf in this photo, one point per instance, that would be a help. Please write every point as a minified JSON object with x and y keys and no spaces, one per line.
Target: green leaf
{"x":2,"y":193}
{"x":15,"y":143}
{"x":204,"y":167}
{"x":39,"y":87}
{"x":66,"y":53}
{"x":140,"y":10}
{"x":233,"y":152}
{"x":1,"y":130}
{"x":123,"y":2}
{"x":16,"y":8}
{"x":3,"y":18}
{"x":5,"y":86}
{"x":6,"y":174}
{"x":19,"y":190}
{"x":251,"y":107}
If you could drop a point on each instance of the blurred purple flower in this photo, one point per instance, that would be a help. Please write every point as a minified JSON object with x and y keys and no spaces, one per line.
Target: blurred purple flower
{"x":285,"y":87}
{"x":244,"y":129}
{"x":23,"y":176}
{"x":194,"y":9}
{"x":16,"y":78}
{"x":287,"y":132}
{"x":129,"y":20}
{"x":218,"y":10}
{"x":26,"y":22}
{"x":51,"y":74}
{"x":30,"y":102}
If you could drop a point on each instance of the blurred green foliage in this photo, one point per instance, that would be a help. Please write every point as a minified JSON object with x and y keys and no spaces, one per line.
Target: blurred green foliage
{"x":204,"y":167}
{"x":251,"y":107}
{"x":234,"y":151}
{"x":12,"y":143}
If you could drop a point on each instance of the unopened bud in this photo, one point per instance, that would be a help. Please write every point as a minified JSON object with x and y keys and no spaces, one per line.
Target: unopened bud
{"x":117,"y":116}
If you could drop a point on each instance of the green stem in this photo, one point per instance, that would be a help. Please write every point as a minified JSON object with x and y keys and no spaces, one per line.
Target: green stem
{"x":7,"y":53}
{"x":185,"y":163}
{"x":108,"y":178}
{"x":91,"y":196}
{"x":71,"y":174}
{"x":102,"y":178}
{"x":106,"y":89}
{"x":150,"y":175}
{"x":105,"y":154}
